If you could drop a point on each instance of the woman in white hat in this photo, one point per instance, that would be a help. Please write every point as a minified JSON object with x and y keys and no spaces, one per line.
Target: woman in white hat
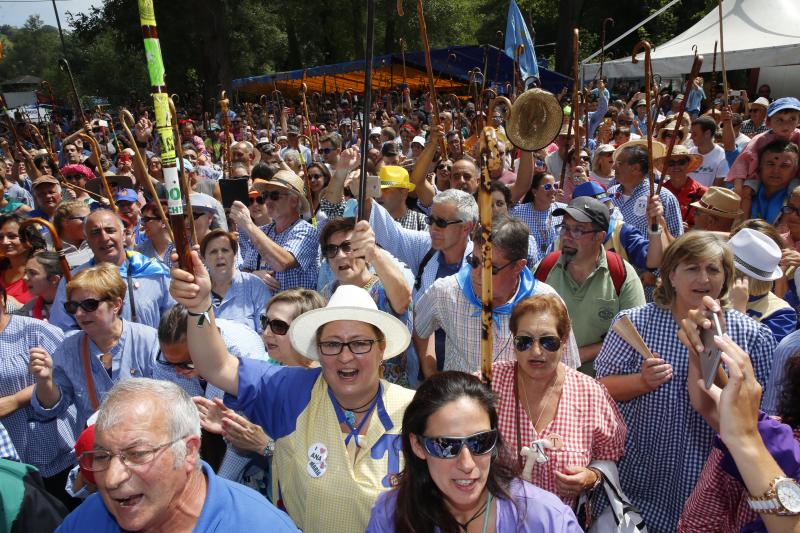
{"x":336,"y":427}
{"x":757,"y":259}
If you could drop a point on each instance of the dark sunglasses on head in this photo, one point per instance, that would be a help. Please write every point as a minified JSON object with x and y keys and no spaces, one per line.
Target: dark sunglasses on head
{"x":332,"y":250}
{"x":550,"y":343}
{"x":474,"y":263}
{"x":163,"y":360}
{"x":449,"y":447}
{"x":440,"y":222}
{"x":89,"y":305}
{"x":278,"y":327}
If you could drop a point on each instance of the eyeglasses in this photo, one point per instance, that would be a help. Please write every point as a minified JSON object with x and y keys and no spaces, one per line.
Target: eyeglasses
{"x":356,"y":347}
{"x":682,"y":162}
{"x":278,"y":327}
{"x":444,"y":167}
{"x":325,"y":151}
{"x":585,"y":158}
{"x":788,"y":210}
{"x":161,"y":359}
{"x":332,"y":250}
{"x":315,"y":176}
{"x":549,"y":343}
{"x":575,"y":233}
{"x":99,"y":460}
{"x":475,"y":262}
{"x":89,"y":305}
{"x":449,"y":447}
{"x":440,"y":222}
{"x":625,"y":122}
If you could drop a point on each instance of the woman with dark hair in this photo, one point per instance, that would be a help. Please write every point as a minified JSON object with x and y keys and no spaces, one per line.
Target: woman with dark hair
{"x":536,"y":210}
{"x":13,"y":255}
{"x":42,"y":275}
{"x":318,"y":178}
{"x":457,"y":475}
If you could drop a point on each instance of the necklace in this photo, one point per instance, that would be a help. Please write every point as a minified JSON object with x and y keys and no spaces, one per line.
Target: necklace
{"x":350,"y":414}
{"x":484,"y":509}
{"x":544,"y":407}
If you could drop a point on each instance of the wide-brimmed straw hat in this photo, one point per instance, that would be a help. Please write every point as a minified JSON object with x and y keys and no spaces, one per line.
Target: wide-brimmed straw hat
{"x":659,"y":150}
{"x":679,"y":151}
{"x":721,"y":202}
{"x":287,"y":180}
{"x":756,"y":255}
{"x":348,"y":302}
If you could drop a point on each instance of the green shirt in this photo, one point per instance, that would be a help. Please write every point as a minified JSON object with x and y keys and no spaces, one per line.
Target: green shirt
{"x":593,"y":304}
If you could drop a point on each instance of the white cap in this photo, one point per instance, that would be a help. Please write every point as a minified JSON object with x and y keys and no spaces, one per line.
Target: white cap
{"x":374,"y":131}
{"x":761,"y":101}
{"x":419,"y":139}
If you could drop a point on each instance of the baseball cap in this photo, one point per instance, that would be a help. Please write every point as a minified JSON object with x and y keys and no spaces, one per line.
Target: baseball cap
{"x":126,"y":195}
{"x":761,"y":102}
{"x":41,"y":180}
{"x":293,"y":130}
{"x":587,"y":209}
{"x":782,"y":104}
{"x":419,"y":139}
{"x":591,"y":189}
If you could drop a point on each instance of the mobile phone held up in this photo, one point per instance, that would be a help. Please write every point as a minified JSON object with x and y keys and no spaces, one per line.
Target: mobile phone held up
{"x":711,"y":357}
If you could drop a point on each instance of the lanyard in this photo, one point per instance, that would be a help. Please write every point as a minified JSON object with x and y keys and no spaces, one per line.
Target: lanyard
{"x":341,"y":414}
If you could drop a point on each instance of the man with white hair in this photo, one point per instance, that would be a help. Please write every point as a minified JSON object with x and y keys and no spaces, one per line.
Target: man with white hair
{"x":149,"y":475}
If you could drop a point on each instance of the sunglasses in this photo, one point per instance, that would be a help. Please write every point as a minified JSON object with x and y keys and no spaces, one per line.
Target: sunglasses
{"x":332,"y":250}
{"x":145,"y":220}
{"x":474,"y":263}
{"x":260,"y":199}
{"x":625,"y":122}
{"x":549,"y":186}
{"x":315,"y":176}
{"x":278,"y":327}
{"x":160,"y":359}
{"x":273,"y":195}
{"x":89,"y":305}
{"x":444,"y":167}
{"x":549,"y":343}
{"x":449,"y":447}
{"x":682,"y":162}
{"x":325,"y":151}
{"x":788,"y":210}
{"x":440,"y":222}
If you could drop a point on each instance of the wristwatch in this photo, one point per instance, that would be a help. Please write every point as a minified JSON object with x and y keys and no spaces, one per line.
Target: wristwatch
{"x":782,"y":498}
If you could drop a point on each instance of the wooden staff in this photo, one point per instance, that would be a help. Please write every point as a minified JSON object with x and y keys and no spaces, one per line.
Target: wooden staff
{"x":648,"y":79}
{"x":158,"y":88}
{"x":368,"y":54}
{"x":403,"y":51}
{"x":227,"y":162}
{"x":309,"y":135}
{"x":722,"y":56}
{"x":698,"y":62}
{"x":181,"y":170}
{"x":603,"y":44}
{"x":576,"y":44}
{"x":714,"y":67}
{"x":57,"y":244}
{"x":515,"y":85}
{"x":64,"y":65}
{"x":125,"y":117}
{"x":92,"y":142}
{"x":54,"y":116}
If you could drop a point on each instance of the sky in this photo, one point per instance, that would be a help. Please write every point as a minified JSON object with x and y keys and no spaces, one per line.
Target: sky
{"x":15,"y":13}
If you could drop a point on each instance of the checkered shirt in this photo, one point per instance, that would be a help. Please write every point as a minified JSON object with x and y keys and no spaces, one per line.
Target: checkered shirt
{"x":750,"y":129}
{"x":586,"y":419}
{"x":542,"y":224}
{"x":301,"y":239}
{"x":7,"y":449}
{"x":250,"y":255}
{"x":413,"y":220}
{"x":634,"y":209}
{"x":668,"y":441}
{"x":45,"y":445}
{"x":444,"y":306}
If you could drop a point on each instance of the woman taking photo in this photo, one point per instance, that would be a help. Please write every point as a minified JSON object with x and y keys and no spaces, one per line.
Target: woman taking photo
{"x":42,"y":274}
{"x":564,"y":418}
{"x":457,"y":475}
{"x":235,"y":295}
{"x":337,"y":427}
{"x":658,"y":470}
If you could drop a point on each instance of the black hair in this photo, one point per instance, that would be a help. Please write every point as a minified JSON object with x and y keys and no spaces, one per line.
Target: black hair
{"x":789,"y":400}
{"x":420,"y":507}
{"x":335,"y":226}
{"x":504,"y":190}
{"x":172,"y":326}
{"x":262,"y":170}
{"x":29,"y":237}
{"x":706,"y":123}
{"x":637,"y":155}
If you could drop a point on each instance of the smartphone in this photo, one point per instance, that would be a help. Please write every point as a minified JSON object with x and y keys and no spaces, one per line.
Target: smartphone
{"x":710,"y":357}
{"x":233,"y":189}
{"x":731,"y":92}
{"x":374,"y":186}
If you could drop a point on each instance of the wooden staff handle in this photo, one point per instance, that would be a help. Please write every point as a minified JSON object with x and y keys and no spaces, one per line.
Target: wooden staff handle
{"x":96,"y":152}
{"x":57,"y":244}
{"x":181,"y":170}
{"x":625,"y":329}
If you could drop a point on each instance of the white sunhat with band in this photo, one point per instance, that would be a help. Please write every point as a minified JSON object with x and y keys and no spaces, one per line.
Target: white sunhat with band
{"x":756,"y":255}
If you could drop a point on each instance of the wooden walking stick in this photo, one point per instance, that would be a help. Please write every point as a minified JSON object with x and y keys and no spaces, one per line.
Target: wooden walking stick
{"x":362,"y":183}
{"x":603,"y":45}
{"x":227,"y":161}
{"x":89,"y":140}
{"x":158,"y":89}
{"x":648,"y":79}
{"x":64,"y":65}
{"x":576,"y":47}
{"x":722,"y":57}
{"x":57,"y":244}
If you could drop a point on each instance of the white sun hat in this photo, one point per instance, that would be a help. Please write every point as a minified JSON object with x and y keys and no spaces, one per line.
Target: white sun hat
{"x":756,"y":255}
{"x":348,"y":302}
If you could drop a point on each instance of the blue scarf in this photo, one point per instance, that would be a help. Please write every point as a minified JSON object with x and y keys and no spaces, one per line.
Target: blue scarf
{"x":141,"y":266}
{"x":527,"y":283}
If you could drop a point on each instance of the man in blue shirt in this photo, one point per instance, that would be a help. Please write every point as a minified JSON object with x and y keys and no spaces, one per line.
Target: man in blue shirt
{"x":149,"y":475}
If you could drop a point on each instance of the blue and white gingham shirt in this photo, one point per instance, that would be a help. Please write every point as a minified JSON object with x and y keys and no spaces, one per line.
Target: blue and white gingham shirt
{"x":301,"y":239}
{"x":245,"y":300}
{"x":634,"y":209}
{"x":134,"y":356}
{"x":542,"y":224}
{"x":249,"y":252}
{"x":787,"y":349}
{"x":7,"y":450}
{"x":668,"y":441}
{"x":45,"y":445}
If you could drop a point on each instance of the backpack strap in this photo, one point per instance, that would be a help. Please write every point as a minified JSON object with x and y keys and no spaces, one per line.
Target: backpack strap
{"x":616,"y":267}
{"x":425,"y":260}
{"x":546,"y":265}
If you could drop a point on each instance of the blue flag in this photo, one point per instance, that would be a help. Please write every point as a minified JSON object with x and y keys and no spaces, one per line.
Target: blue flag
{"x":516,"y":34}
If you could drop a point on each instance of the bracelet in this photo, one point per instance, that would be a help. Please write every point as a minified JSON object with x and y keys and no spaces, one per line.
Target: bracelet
{"x":269,"y":449}
{"x":204,"y":316}
{"x":651,"y":232}
{"x":598,"y":480}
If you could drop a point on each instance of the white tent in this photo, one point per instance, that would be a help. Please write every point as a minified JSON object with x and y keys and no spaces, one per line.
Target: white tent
{"x":757,"y":33}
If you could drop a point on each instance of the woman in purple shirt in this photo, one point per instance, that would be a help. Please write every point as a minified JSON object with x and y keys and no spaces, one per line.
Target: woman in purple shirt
{"x":457,"y":475}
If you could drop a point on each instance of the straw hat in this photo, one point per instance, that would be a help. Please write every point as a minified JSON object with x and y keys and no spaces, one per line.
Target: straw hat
{"x":659,"y":150}
{"x":720,"y":202}
{"x":756,"y":255}
{"x":394,"y":177}
{"x":679,"y":151}
{"x":348,"y":302}
{"x":286,"y":180}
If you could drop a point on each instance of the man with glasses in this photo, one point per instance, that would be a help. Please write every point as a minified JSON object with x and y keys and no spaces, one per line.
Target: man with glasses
{"x":757,"y":123}
{"x":453,"y":303}
{"x":330,"y":146}
{"x":583,"y":274}
{"x":293,"y":138}
{"x":625,"y":119}
{"x":149,"y":475}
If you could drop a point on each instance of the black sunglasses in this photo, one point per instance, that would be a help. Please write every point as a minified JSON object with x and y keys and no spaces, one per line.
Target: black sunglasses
{"x":258,"y":199}
{"x":444,"y":167}
{"x":160,"y":359}
{"x":325,"y":151}
{"x":332,"y":250}
{"x":278,"y":327}
{"x":549,"y":343}
{"x":474,"y":263}
{"x":145,"y":220}
{"x":449,"y":447}
{"x":315,"y":176}
{"x":440,"y":222}
{"x":89,"y":305}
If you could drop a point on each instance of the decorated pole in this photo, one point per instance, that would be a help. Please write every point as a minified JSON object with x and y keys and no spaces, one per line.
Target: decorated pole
{"x":648,"y":79}
{"x":158,"y":88}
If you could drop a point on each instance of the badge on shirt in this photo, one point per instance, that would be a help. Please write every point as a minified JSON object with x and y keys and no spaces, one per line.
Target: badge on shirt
{"x":640,"y":207}
{"x":317,"y":460}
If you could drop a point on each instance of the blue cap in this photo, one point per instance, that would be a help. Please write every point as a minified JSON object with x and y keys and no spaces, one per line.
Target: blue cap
{"x":126,"y":195}
{"x":782,"y":104}
{"x":593,"y":189}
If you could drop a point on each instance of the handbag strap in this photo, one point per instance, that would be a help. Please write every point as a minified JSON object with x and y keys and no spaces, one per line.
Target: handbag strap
{"x":87,"y":372}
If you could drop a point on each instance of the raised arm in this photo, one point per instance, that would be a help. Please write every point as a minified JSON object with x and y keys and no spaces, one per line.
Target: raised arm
{"x":397,"y":290}
{"x":524,"y":177}
{"x":273,"y":253}
{"x":419,"y":176}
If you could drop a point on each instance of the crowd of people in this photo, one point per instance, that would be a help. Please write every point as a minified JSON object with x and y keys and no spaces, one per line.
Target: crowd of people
{"x":299,"y":344}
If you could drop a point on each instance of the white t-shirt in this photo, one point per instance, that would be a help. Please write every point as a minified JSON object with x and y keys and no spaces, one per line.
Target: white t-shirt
{"x":714,"y":166}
